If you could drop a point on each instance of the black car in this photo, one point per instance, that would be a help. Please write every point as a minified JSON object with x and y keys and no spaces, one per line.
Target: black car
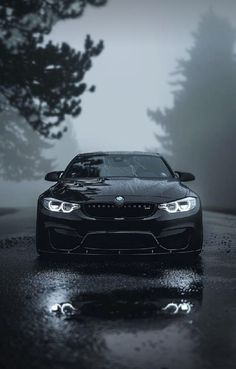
{"x":119,"y":203}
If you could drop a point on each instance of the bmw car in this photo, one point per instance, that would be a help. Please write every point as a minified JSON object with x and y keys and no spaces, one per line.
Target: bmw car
{"x":119,"y":203}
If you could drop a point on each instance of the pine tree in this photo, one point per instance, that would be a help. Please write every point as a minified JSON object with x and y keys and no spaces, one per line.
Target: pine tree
{"x":43,"y":82}
{"x":22,"y":150}
{"x":200,"y":129}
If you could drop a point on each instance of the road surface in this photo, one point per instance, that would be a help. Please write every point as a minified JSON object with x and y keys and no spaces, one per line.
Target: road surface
{"x":119,"y":314}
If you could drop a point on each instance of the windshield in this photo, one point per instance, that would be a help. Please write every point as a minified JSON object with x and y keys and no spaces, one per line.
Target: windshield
{"x":111,"y":165}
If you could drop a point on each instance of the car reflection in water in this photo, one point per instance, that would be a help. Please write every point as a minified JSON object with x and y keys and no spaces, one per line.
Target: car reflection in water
{"x":122,"y":314}
{"x":150,"y":291}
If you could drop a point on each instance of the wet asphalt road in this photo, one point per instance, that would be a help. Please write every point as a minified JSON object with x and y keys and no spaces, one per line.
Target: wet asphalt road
{"x":117,"y":314}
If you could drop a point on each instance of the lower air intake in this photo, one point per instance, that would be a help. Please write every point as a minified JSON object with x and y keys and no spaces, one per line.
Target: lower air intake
{"x":119,"y":241}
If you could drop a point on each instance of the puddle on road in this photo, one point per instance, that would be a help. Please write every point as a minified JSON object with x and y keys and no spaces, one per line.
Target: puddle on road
{"x":122,"y":310}
{"x":173,"y":293}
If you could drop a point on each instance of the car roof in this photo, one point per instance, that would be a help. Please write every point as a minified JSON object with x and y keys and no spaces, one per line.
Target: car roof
{"x":118,"y":153}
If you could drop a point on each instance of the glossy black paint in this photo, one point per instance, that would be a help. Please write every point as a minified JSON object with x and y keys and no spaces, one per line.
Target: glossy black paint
{"x":185,"y":176}
{"x":159,"y":233}
{"x":53,"y":176}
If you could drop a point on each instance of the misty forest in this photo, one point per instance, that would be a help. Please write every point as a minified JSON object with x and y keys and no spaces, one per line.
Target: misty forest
{"x":198,"y":133}
{"x":42,"y":84}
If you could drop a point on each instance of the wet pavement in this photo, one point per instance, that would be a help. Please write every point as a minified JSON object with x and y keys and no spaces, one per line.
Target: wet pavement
{"x":142,"y":313}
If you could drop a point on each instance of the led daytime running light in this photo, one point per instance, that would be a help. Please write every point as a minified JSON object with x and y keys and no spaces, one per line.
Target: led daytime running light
{"x":59,"y":206}
{"x":186,"y":204}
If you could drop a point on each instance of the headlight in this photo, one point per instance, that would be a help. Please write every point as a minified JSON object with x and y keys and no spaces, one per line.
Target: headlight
{"x":182,"y":205}
{"x":59,"y":206}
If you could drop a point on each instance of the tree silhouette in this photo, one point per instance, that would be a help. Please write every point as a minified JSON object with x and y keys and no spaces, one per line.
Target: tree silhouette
{"x":43,"y":82}
{"x":40,"y":81}
{"x":199,"y":131}
{"x":25,"y":155}
{"x":22,"y":151}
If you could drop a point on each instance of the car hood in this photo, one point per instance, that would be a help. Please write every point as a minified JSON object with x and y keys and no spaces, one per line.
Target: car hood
{"x":132,"y":189}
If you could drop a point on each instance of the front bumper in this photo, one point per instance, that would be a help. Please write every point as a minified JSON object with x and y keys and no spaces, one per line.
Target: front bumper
{"x":162,"y":233}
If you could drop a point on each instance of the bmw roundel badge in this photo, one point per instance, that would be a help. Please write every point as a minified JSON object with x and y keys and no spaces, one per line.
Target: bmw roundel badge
{"x":119,"y":200}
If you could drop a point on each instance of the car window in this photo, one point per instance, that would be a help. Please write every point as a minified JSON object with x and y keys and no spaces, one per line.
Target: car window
{"x":143,"y":166}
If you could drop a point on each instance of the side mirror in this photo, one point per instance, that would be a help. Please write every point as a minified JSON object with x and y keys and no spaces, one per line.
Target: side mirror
{"x":185,"y":177}
{"x":53,"y":176}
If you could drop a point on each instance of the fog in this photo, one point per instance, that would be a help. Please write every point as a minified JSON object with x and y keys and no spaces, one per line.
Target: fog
{"x":135,"y":102}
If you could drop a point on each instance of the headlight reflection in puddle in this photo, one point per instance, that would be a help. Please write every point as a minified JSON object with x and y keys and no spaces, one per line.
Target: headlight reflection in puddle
{"x":174,"y":308}
{"x":62,"y":309}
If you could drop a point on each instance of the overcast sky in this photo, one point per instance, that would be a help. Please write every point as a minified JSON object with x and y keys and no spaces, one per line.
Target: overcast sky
{"x":143,"y":40}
